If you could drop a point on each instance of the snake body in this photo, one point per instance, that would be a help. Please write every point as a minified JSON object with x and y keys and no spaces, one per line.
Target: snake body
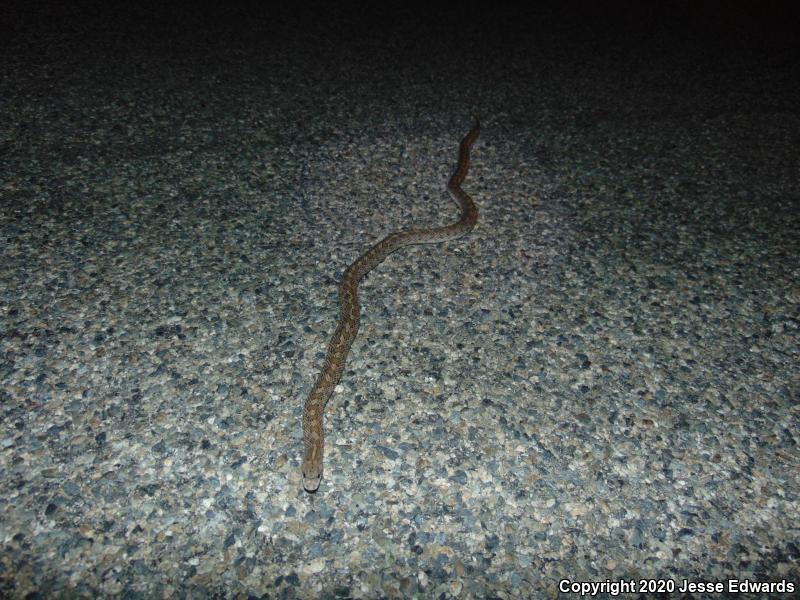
{"x":347,"y":328}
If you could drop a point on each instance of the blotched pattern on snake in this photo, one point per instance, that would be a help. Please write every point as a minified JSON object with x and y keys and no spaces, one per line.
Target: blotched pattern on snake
{"x":339,"y":346}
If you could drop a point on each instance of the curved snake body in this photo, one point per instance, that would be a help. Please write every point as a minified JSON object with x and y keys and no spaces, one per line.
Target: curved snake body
{"x":347,"y":328}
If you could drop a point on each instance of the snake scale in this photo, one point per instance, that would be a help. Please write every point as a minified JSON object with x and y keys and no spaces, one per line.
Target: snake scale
{"x":347,"y":328}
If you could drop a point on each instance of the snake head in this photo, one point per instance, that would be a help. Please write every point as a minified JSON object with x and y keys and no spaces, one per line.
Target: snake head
{"x":312,"y":468}
{"x":311,"y":479}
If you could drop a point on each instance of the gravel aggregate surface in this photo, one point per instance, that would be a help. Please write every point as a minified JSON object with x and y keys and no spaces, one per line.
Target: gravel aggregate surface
{"x":598,"y":384}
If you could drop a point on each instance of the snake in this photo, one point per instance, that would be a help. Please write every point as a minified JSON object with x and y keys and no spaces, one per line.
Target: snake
{"x":349,"y":314}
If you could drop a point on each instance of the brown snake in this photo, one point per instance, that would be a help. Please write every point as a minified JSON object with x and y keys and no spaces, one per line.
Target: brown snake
{"x":339,"y":346}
